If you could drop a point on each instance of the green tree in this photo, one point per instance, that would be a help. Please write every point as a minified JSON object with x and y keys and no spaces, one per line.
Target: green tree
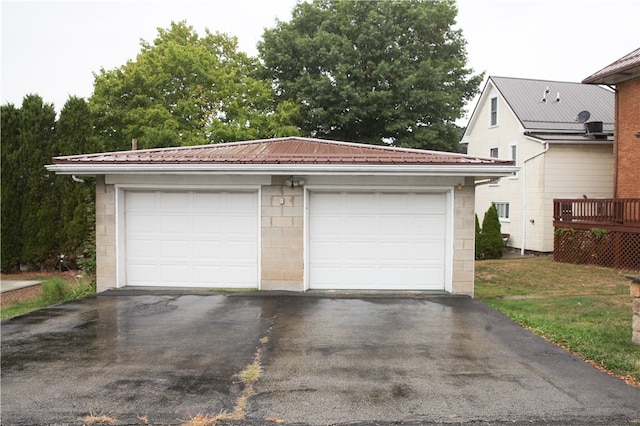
{"x":374,"y":71}
{"x":492,"y":244}
{"x":183,"y":89}
{"x":12,"y":180}
{"x":76,"y":227}
{"x":34,"y":185}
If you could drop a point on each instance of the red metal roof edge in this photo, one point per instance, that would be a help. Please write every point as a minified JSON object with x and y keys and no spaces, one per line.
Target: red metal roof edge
{"x":367,"y":154}
{"x":628,"y":62}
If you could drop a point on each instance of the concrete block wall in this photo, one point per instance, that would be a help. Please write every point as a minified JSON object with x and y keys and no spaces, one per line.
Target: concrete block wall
{"x":105,"y":235}
{"x":464,"y":233}
{"x":635,"y":293}
{"x":282,"y":237}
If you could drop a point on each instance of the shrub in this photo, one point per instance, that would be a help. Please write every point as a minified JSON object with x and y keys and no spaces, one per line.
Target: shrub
{"x":492,"y":244}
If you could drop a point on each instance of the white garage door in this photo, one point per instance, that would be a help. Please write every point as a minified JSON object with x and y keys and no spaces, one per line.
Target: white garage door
{"x":382,"y":241}
{"x":191,"y":239}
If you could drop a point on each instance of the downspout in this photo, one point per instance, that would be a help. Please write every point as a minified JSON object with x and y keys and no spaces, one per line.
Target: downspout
{"x":524,"y":195}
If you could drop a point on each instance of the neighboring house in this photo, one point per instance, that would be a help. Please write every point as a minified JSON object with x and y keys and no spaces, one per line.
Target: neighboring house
{"x":560,"y":134}
{"x":624,"y":74}
{"x":285,"y":214}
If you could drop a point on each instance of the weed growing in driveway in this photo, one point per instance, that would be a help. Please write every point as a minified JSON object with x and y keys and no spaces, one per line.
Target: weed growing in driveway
{"x":97,"y":418}
{"x":249,"y":376}
{"x":251,"y":373}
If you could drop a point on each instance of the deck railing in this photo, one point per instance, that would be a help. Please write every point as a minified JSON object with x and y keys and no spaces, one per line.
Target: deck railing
{"x":603,"y":232}
{"x":611,"y":211}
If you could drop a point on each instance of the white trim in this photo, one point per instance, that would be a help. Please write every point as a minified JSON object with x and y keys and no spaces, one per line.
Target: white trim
{"x":465,"y":169}
{"x":491,"y":124}
{"x":515,"y":144}
{"x":449,"y":192}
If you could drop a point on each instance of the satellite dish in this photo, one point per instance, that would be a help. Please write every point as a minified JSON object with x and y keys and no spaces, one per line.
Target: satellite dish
{"x":583,"y":116}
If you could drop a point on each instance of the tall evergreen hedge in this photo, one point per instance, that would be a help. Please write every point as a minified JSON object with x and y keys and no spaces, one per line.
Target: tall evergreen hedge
{"x":44,"y":215}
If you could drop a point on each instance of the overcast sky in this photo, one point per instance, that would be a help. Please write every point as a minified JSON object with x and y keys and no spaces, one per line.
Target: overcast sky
{"x":52,"y":48}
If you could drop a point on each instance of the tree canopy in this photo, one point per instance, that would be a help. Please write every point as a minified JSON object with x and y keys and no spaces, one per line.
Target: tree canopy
{"x":184,"y":89}
{"x":44,"y":215}
{"x":374,"y":71}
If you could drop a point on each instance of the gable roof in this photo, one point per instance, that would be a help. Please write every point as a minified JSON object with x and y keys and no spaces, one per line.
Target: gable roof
{"x":623,"y":69}
{"x":525,"y":97}
{"x":278,"y":155}
{"x":542,"y":115}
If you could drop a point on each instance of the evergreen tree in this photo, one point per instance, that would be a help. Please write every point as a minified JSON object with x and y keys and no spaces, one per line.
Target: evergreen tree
{"x":12,"y":180}
{"x":491,"y":241}
{"x":76,"y":229}
{"x":36,"y":146}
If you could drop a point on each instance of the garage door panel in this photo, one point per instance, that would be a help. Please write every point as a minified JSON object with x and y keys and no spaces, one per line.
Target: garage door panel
{"x":379,"y":240}
{"x":174,"y":249}
{"x":204,"y":250}
{"x":362,"y":251}
{"x":208,"y":224}
{"x":209,"y":202}
{"x":175,"y":224}
{"x":140,"y":223}
{"x":329,"y":251}
{"x":358,"y":202}
{"x":435,"y":204}
{"x":357,"y":225}
{"x":201,"y":239}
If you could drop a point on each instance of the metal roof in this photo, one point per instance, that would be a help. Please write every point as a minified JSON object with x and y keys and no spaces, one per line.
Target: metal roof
{"x":623,"y":69}
{"x":292,"y":150}
{"x":553,"y":106}
{"x":284,"y":156}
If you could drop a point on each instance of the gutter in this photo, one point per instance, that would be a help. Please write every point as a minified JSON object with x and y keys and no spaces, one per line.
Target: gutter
{"x":309,"y":169}
{"x":524,"y":195}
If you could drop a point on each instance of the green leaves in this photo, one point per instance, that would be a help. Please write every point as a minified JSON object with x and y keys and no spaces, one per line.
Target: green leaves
{"x":183,"y":89}
{"x":374,"y":72}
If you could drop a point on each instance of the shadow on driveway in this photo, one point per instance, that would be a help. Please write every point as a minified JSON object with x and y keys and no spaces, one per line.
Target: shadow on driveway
{"x":165,"y":358}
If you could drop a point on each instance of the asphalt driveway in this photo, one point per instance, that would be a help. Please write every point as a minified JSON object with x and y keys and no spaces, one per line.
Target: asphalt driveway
{"x":165,"y":358}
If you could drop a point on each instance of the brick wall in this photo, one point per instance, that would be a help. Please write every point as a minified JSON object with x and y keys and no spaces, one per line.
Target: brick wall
{"x":627,"y":156}
{"x":282,"y":237}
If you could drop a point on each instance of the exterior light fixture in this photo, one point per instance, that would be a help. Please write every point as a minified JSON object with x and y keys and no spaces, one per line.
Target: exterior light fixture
{"x":294,"y":181}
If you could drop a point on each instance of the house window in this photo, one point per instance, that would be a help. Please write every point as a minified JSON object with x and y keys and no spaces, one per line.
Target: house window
{"x":514,"y":157}
{"x":503,"y":211}
{"x":493,"y":152}
{"x":494,"y":112}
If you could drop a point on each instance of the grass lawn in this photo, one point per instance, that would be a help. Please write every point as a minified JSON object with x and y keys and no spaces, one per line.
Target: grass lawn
{"x":56,"y":288}
{"x":585,"y":309}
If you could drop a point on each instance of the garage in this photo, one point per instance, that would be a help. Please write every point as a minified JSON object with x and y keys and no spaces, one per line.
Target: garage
{"x":191,"y":239}
{"x":378,"y":240}
{"x":285,"y":214}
